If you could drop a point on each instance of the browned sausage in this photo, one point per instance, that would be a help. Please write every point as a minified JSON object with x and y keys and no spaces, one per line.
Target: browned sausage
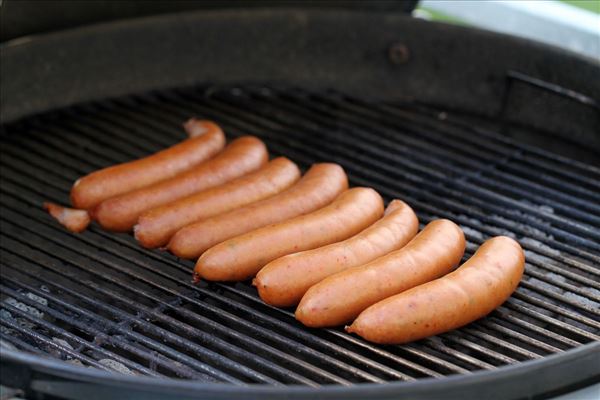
{"x":206,"y":140}
{"x":243,"y":256}
{"x":317,"y":188}
{"x":240,"y":157}
{"x":475,"y":289}
{"x":285,"y":280}
{"x":155,"y":227}
{"x":72,"y":219}
{"x":341,"y":297}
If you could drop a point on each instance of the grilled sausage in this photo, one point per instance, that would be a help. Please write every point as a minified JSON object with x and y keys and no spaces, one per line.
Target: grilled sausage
{"x":72,"y":219}
{"x":285,"y":280}
{"x":243,"y":256}
{"x":321,"y":184}
{"x":206,"y":140}
{"x":240,"y":157}
{"x":155,"y":227}
{"x":475,"y":289}
{"x":197,"y":127}
{"x":341,"y":297}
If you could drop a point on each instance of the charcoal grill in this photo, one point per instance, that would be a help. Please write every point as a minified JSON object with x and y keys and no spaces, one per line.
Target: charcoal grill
{"x":419,"y":111}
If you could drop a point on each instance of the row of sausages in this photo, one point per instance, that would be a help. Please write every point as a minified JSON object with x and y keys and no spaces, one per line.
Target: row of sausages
{"x":308,"y":241}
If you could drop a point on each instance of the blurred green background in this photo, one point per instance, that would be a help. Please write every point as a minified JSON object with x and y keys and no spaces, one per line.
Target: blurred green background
{"x":589,"y":5}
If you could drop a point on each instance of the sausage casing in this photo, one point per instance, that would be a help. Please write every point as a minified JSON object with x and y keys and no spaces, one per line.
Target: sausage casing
{"x":72,"y":219}
{"x":435,"y":251}
{"x":240,"y":157}
{"x":321,"y":184}
{"x":155,"y":227}
{"x":243,"y":256}
{"x":475,"y":289}
{"x":206,"y":140}
{"x":285,"y":280}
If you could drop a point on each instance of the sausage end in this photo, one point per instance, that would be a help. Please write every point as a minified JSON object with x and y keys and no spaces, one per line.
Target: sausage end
{"x":178,"y":246}
{"x":196,"y":127}
{"x":72,"y":219}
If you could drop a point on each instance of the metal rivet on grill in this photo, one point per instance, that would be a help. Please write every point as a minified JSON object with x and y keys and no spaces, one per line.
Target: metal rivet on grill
{"x":398,"y":53}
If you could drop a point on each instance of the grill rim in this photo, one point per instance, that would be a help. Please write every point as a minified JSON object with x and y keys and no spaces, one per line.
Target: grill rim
{"x":585,"y":357}
{"x":559,"y":373}
{"x":307,"y":60}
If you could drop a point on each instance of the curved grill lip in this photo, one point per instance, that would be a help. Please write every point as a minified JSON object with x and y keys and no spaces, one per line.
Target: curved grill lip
{"x":556,"y":372}
{"x":310,"y":50}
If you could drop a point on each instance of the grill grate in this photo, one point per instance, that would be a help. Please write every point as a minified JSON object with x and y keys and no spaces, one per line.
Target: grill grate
{"x":99,"y":300}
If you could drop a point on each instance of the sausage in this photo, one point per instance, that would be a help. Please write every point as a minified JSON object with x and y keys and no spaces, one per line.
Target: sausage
{"x":474,"y":290}
{"x":155,"y":227}
{"x":240,"y":157}
{"x":339,"y":298}
{"x":285,"y":280}
{"x":197,"y":127}
{"x":72,"y":219}
{"x":321,"y":184}
{"x":206,"y":140}
{"x":243,"y":256}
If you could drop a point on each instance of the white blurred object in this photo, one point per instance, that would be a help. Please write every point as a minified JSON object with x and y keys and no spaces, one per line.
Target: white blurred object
{"x":548,"y":21}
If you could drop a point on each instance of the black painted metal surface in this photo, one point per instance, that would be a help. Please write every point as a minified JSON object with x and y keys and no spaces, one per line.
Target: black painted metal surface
{"x":25,"y":17}
{"x":100,"y":300}
{"x":378,"y":55}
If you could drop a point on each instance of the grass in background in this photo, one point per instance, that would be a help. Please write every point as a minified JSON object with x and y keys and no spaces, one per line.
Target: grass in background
{"x":590,"y":5}
{"x":438,"y":16}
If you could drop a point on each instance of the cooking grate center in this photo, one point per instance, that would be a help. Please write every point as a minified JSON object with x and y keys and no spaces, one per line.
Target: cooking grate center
{"x":99,"y":300}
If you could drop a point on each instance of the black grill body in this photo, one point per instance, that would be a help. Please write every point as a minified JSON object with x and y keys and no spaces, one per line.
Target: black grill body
{"x":99,"y":300}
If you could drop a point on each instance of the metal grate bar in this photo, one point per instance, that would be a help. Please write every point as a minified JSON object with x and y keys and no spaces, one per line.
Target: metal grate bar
{"x":522,"y":353}
{"x":328,"y":348}
{"x":546,"y":253}
{"x":558,"y":310}
{"x":39,"y":339}
{"x":493,"y":323}
{"x":524,"y":309}
{"x":435,"y":343}
{"x":435,"y":123}
{"x":288,"y":329}
{"x":588,"y":283}
{"x":470,"y":166}
{"x":65,"y":334}
{"x":367,"y":146}
{"x":95,"y":241}
{"x":19,"y":343}
{"x":509,"y":316}
{"x":191,"y":332}
{"x":283,"y":341}
{"x":548,"y":293}
{"x":554,"y":176}
{"x":150,"y":343}
{"x":585,"y":292}
{"x":226,"y":116}
{"x":175,"y":368}
{"x":430,"y":115}
{"x":470,"y":344}
{"x":514,"y":76}
{"x":37,"y":147}
{"x":142,"y":308}
{"x":469,"y":156}
{"x":342,"y":336}
{"x":129,"y":134}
